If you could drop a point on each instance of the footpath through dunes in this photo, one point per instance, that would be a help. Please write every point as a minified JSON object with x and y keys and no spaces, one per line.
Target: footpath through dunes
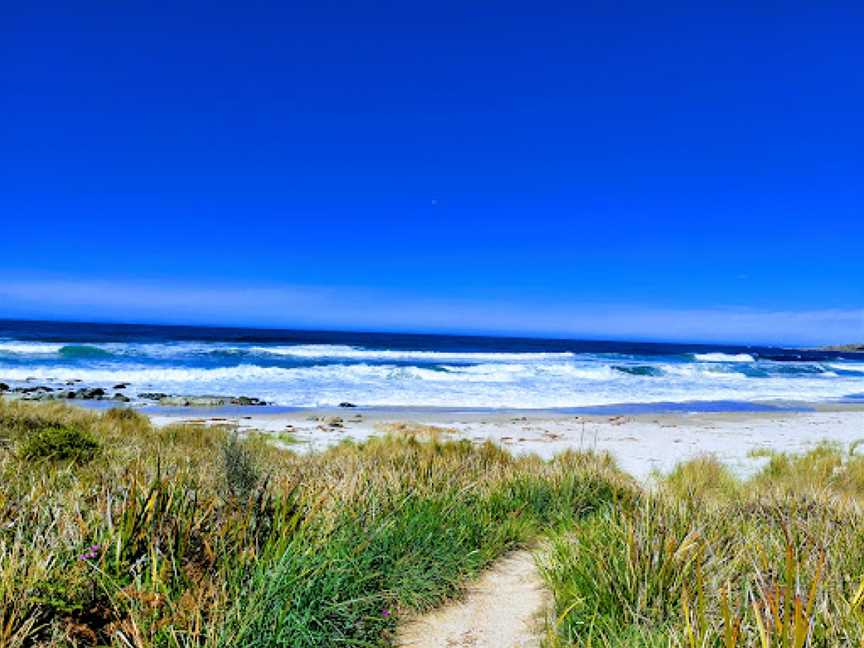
{"x":504,"y":608}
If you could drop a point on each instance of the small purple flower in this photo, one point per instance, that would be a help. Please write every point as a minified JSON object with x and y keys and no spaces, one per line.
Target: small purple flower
{"x":385,"y":612}
{"x":91,"y":553}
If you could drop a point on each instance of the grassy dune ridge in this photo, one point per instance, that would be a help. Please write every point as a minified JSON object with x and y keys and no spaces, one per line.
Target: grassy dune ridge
{"x":115,"y":532}
{"x":706,"y":559}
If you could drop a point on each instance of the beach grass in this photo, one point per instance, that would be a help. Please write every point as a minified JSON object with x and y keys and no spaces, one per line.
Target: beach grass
{"x":705,"y":559}
{"x":115,"y":532}
{"x":119,"y":533}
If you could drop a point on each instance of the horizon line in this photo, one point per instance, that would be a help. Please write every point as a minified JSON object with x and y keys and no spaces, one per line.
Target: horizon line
{"x":415,"y":332}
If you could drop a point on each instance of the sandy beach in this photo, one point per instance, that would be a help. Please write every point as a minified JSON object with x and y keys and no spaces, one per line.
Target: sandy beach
{"x":640,"y":443}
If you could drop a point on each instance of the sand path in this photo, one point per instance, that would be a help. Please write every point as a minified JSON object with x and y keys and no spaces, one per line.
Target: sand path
{"x":502,"y":609}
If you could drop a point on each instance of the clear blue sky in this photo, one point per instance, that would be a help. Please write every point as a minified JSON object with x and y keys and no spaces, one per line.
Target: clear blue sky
{"x":625,"y":169}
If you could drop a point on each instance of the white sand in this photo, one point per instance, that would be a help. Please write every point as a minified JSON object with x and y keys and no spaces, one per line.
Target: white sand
{"x":502,"y":609}
{"x":640,"y":443}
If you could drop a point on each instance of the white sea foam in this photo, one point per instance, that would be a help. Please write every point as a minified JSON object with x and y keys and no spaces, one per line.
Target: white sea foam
{"x":300,"y":351}
{"x":704,"y":372}
{"x":850,"y":366}
{"x":723,"y":357}
{"x":334,"y":351}
{"x":490,"y":384}
{"x":29,"y":348}
{"x":154,"y":350}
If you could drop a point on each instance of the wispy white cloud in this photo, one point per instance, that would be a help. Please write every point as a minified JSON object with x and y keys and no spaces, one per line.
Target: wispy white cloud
{"x":353,"y":308}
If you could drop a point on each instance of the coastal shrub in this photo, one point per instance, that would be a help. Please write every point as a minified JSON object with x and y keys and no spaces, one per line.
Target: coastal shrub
{"x":59,"y":442}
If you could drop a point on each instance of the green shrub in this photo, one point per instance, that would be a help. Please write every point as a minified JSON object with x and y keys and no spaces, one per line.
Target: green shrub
{"x":59,"y":442}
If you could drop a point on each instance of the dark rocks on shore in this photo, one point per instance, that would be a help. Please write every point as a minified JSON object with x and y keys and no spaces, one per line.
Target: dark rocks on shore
{"x":209,"y":401}
{"x":347,"y":404}
{"x":247,"y":400}
{"x":90,"y":393}
{"x":38,"y":392}
{"x":154,"y":396}
{"x":192,"y":401}
{"x":45,"y":392}
{"x":33,"y":390}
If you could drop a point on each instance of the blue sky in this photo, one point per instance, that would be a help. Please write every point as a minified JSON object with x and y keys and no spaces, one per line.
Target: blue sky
{"x":592,"y":169}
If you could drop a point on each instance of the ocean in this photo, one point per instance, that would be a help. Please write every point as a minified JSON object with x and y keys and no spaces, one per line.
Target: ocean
{"x":320,"y":369}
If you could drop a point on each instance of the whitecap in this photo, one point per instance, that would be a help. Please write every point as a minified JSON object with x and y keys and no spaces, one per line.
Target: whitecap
{"x":723,"y":357}
{"x":29,"y":348}
{"x":336,"y":351}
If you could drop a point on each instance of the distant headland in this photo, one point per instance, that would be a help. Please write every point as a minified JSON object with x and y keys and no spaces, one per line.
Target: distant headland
{"x":854,"y":348}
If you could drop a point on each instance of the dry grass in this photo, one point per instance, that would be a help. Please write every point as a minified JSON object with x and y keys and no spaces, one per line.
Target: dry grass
{"x":418,"y":431}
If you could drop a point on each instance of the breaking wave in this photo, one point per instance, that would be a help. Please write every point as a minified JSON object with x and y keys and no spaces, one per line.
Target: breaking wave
{"x":723,"y":357}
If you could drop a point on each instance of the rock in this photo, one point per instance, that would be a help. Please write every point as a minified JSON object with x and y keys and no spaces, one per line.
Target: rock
{"x":154,"y":396}
{"x":174,"y":401}
{"x":121,"y":398}
{"x":247,"y":401}
{"x":347,"y":404}
{"x":333,"y":421}
{"x":179,"y":400}
{"x":4,"y":387}
{"x":38,"y":388}
{"x":121,"y":385}
{"x":90,"y":393}
{"x":192,"y":401}
{"x":39,"y":392}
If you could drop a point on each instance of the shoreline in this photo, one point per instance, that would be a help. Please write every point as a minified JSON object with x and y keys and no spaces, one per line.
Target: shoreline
{"x":641,"y":443}
{"x":642,"y":437}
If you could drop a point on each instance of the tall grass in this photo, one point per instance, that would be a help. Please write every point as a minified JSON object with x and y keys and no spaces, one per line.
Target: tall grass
{"x":189,"y":536}
{"x":113,"y":532}
{"x":775,"y":561}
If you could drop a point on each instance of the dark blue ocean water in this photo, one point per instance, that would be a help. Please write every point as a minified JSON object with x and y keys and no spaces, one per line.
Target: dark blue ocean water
{"x":319,"y":368}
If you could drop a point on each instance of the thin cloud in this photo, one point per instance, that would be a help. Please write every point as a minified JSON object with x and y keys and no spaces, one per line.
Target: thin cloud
{"x":354,"y":308}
